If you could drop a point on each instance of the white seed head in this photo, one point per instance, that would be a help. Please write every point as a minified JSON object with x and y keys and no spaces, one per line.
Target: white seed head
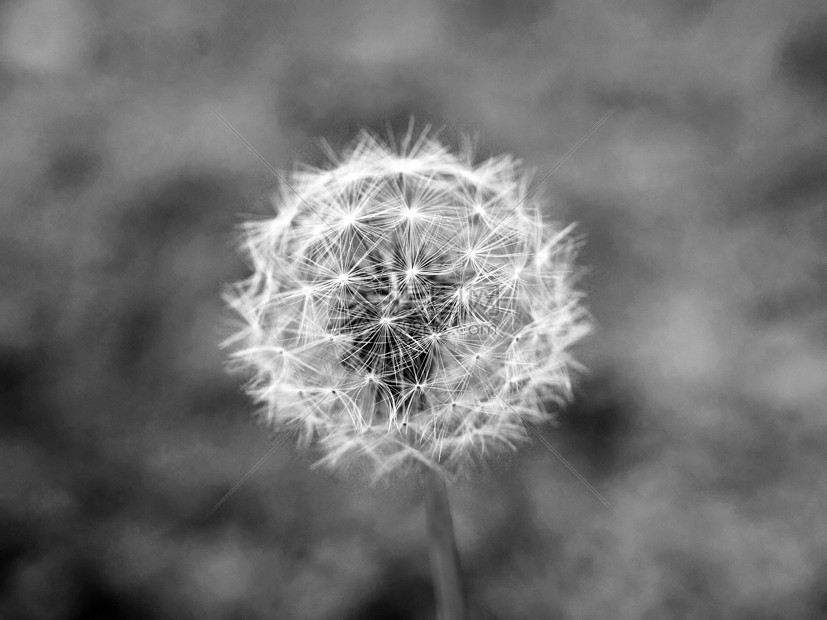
{"x":408,"y":305}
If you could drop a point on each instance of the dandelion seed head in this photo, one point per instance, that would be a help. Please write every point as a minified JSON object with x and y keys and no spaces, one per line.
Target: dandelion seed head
{"x":408,"y":305}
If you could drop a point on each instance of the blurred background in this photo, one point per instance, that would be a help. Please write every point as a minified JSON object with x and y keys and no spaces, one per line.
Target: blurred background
{"x":704,"y":200}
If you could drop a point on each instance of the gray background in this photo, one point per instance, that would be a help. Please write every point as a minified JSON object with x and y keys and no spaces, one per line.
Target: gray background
{"x":703,"y":197}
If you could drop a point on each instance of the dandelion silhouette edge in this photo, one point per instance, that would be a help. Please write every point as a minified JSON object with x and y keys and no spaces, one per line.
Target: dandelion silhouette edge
{"x":407,"y":304}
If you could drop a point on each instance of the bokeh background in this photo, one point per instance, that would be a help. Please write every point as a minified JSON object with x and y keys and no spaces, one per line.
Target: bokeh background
{"x":704,"y":200}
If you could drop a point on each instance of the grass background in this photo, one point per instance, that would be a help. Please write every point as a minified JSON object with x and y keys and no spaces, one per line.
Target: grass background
{"x":704,"y":198}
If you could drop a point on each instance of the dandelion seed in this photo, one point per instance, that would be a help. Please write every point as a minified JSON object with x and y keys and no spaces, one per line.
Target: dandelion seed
{"x":418,"y":301}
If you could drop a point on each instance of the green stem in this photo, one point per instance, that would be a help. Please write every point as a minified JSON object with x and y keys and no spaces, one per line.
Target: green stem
{"x":442,"y":547}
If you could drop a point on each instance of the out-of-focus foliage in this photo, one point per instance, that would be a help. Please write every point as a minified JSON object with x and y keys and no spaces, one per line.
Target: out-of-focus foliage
{"x":703,"y":198}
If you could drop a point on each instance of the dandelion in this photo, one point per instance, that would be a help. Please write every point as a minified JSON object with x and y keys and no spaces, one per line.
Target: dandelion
{"x":408,"y":305}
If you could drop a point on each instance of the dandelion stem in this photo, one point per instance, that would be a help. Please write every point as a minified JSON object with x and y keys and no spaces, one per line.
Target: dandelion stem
{"x":445,"y":564}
